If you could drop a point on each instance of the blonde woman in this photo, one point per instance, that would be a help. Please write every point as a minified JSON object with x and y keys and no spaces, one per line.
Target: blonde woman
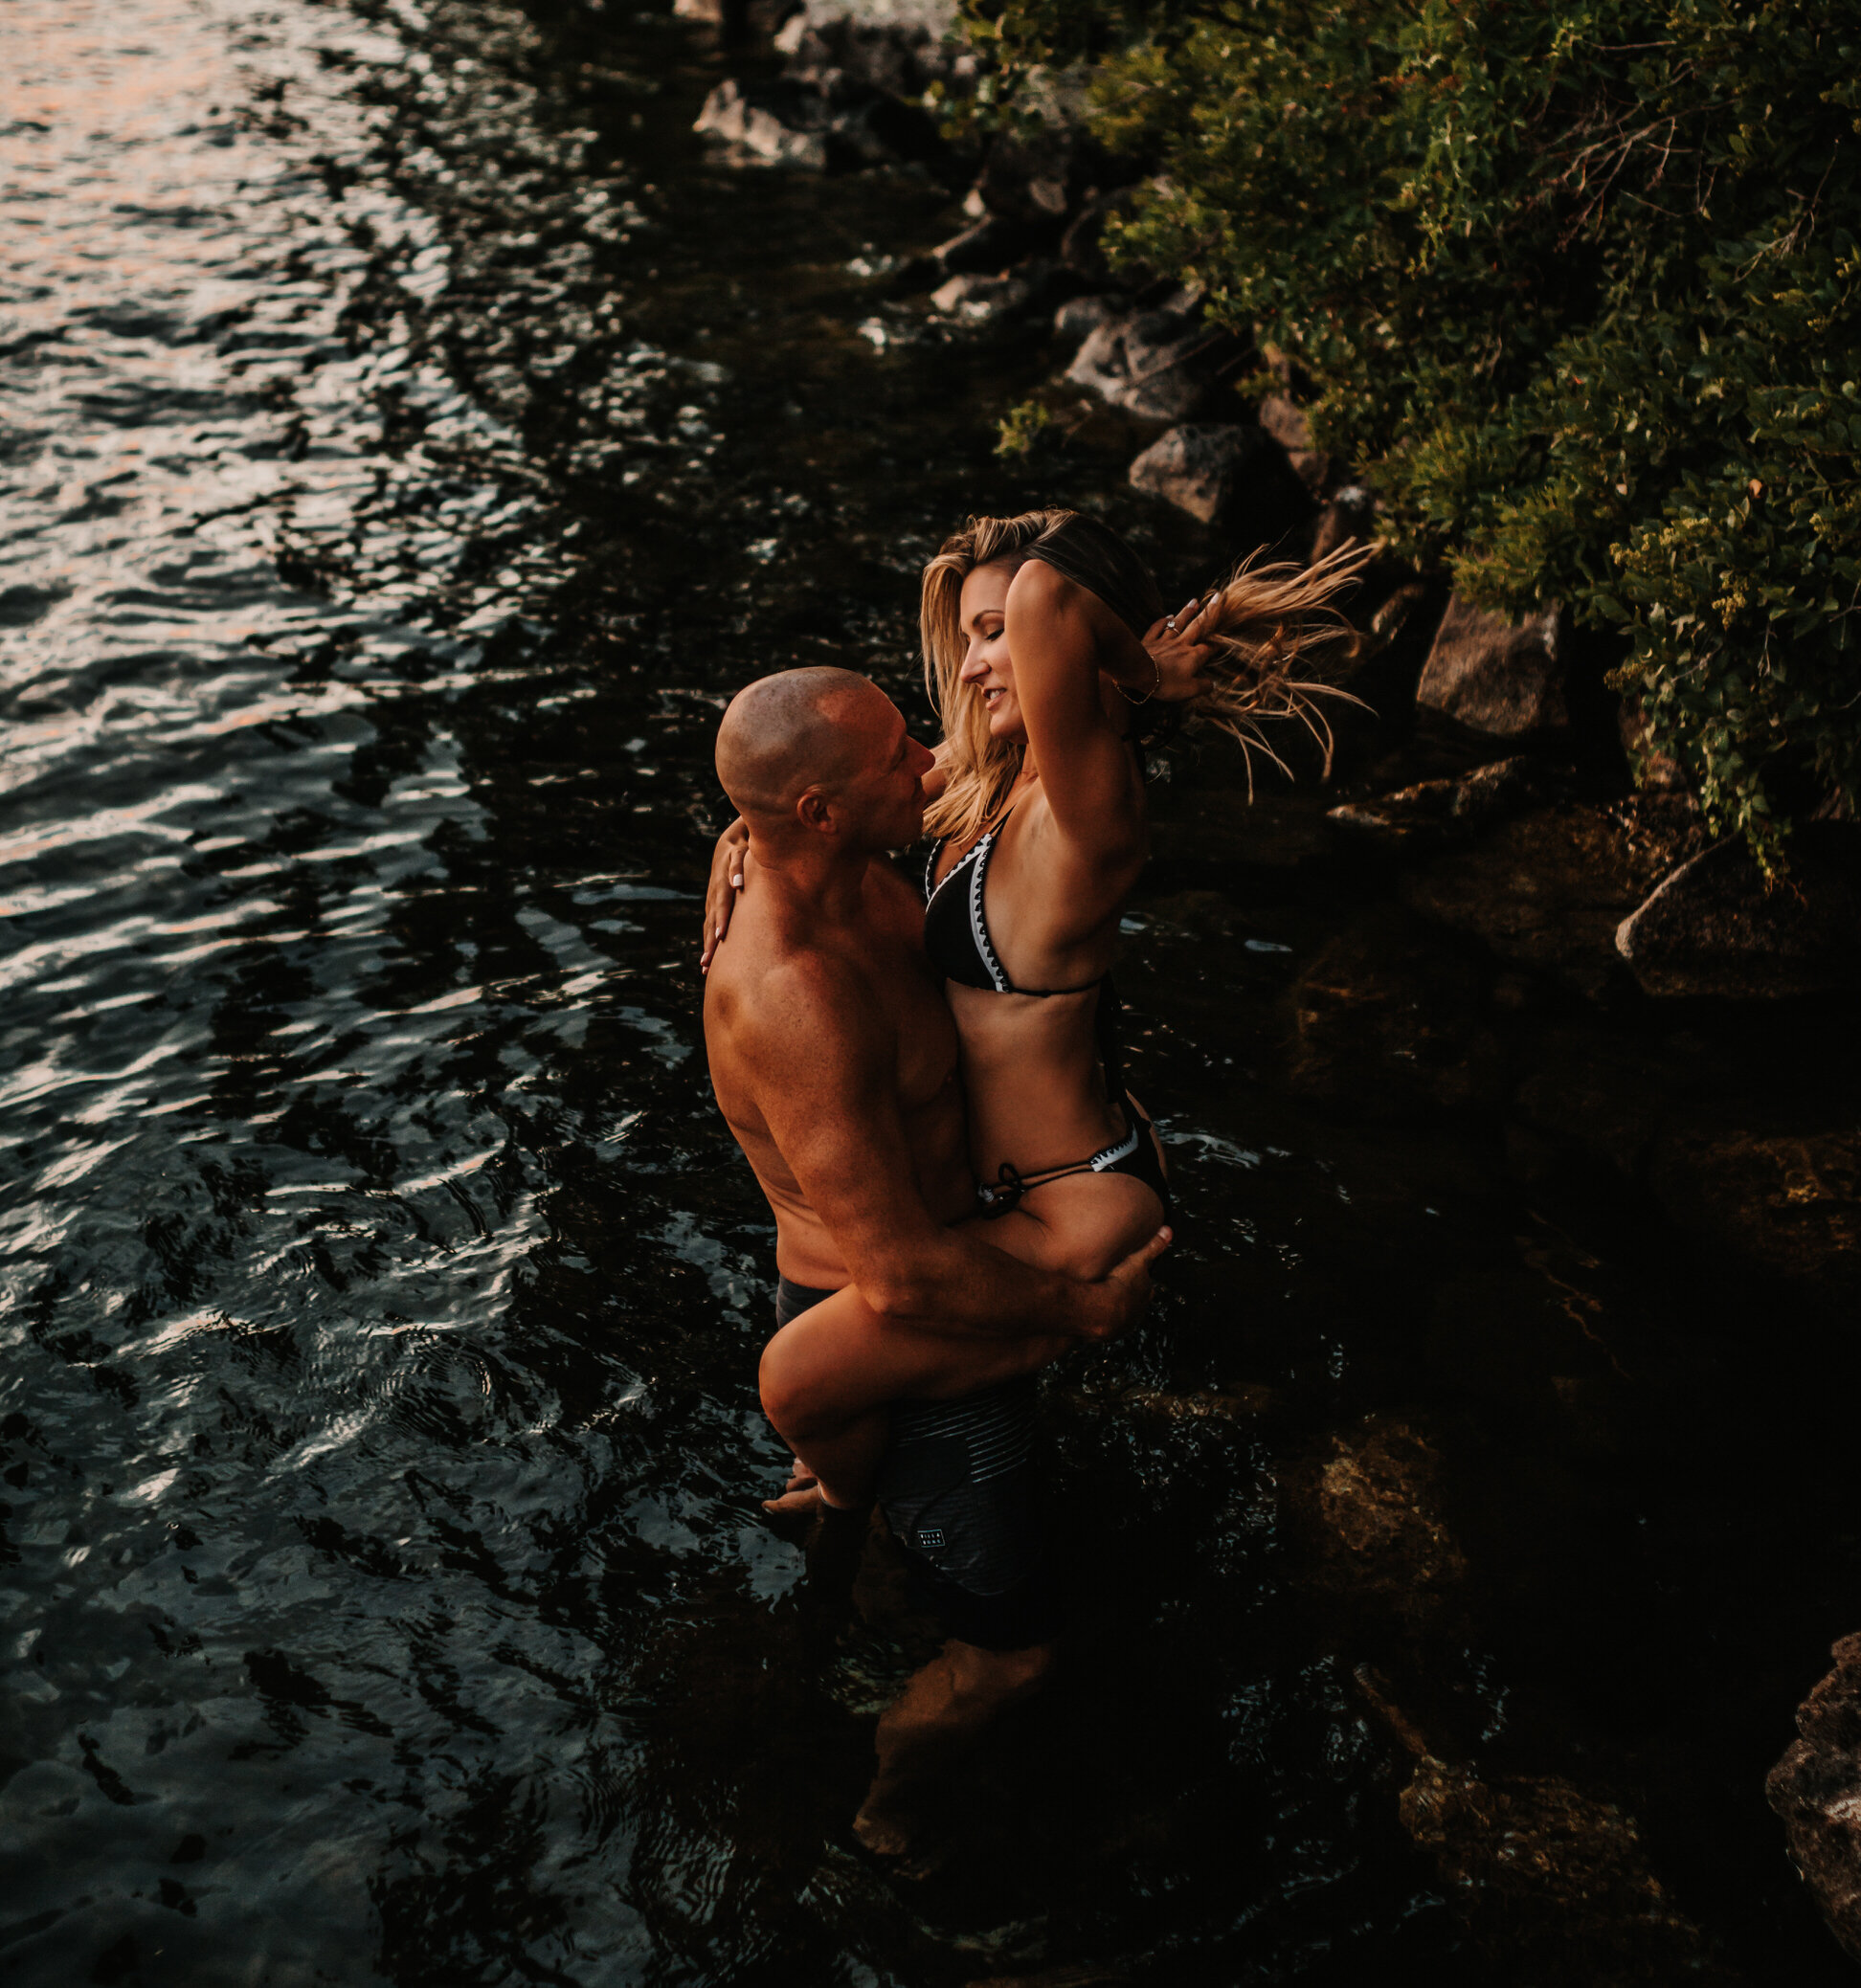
{"x":1043,"y":640}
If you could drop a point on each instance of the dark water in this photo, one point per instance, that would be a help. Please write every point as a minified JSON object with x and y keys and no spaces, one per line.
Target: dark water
{"x":408,"y":438}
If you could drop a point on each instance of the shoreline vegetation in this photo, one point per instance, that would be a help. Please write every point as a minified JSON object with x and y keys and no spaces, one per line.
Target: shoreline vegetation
{"x":1564,"y":309}
{"x":1561,"y":309}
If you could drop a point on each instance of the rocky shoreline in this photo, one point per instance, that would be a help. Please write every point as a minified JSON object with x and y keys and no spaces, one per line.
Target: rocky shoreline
{"x":1491,"y":773}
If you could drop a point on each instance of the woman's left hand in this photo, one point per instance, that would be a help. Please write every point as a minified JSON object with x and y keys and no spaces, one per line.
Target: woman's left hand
{"x":1179,"y":649}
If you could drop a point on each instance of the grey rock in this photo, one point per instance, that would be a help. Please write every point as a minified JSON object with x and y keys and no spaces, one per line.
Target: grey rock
{"x":1160,"y":363}
{"x":1495,"y":676}
{"x":984,"y":299}
{"x":780,"y":123}
{"x":1713,"y":927}
{"x":1285,"y":422}
{"x":1226,"y":474}
{"x":1037,"y":178}
{"x":1816,"y":1789}
{"x":1436,"y":812}
{"x":1079,"y":317}
{"x":1350,"y":516}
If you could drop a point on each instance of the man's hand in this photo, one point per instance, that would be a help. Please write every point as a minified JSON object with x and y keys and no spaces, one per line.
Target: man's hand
{"x":1117,"y":1301}
{"x":720,"y":893}
{"x":1179,"y":647}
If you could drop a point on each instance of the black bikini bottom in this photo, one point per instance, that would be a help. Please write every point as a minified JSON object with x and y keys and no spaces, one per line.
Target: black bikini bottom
{"x":1136,"y":1154}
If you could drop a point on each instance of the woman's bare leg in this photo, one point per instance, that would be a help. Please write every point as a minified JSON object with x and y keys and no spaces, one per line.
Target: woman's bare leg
{"x":829,"y":1373}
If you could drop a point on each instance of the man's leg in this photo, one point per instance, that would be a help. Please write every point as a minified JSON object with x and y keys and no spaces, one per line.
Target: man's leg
{"x":942,"y":1711}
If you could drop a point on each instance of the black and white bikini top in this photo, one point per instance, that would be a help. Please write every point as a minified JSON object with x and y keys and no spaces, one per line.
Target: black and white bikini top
{"x":956,"y":939}
{"x":957,"y":927}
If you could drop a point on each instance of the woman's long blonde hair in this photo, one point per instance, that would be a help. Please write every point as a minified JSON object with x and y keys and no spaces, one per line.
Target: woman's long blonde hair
{"x":1276,"y":630}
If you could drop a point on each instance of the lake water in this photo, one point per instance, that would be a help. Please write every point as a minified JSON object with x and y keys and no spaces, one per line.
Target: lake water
{"x":409,"y":438}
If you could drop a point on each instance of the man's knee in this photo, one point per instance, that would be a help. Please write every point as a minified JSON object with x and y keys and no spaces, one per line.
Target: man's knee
{"x":999,"y":1677}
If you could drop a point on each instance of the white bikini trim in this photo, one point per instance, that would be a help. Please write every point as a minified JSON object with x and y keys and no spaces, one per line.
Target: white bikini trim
{"x":1112,"y":1154}
{"x":979,"y":854}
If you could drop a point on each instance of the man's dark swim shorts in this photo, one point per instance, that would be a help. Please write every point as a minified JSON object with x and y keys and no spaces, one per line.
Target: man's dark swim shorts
{"x":957,"y":1489}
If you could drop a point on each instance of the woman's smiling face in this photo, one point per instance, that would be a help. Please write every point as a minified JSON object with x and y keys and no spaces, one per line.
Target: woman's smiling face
{"x":987,"y":669}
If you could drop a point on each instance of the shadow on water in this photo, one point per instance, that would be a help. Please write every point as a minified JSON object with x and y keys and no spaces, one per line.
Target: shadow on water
{"x":411,"y":437}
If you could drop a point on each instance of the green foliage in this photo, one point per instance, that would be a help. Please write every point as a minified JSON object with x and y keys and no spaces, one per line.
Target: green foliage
{"x":1021,"y":426}
{"x":1578,"y":285}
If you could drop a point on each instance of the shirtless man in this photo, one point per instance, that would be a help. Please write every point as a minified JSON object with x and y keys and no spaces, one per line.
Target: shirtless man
{"x":833,"y":1060}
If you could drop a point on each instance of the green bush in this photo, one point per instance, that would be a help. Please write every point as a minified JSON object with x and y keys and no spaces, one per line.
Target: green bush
{"x":1576,"y":285}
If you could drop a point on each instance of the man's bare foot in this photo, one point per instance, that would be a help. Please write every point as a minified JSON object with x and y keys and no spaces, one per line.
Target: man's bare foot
{"x":898,"y":1830}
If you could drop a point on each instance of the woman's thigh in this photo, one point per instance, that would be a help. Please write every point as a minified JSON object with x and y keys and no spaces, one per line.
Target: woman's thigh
{"x":840,"y":1359}
{"x":1081,"y":1226}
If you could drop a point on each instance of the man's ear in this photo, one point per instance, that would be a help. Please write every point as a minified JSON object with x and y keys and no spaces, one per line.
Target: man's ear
{"x":816,"y":810}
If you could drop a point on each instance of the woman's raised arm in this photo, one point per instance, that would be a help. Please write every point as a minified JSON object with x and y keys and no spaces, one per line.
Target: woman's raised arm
{"x":1065,"y":641}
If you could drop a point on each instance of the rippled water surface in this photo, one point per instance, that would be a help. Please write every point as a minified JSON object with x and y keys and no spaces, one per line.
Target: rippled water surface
{"x":409,"y":438}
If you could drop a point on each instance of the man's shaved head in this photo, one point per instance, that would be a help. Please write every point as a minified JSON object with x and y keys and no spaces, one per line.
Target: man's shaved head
{"x":796,"y":729}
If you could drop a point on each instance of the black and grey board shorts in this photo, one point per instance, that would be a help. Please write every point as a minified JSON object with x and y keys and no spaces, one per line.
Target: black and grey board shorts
{"x":958,"y":1490}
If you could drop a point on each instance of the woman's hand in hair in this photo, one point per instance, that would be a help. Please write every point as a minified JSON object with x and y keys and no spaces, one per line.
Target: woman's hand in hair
{"x":1182,"y":654}
{"x":720,"y":893}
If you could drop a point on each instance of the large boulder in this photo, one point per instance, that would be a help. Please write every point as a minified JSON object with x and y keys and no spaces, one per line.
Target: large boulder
{"x":1545,"y":890}
{"x":1228,"y":474}
{"x":1433,"y":813}
{"x":1715,"y":926}
{"x":1162,"y":364}
{"x":1495,"y":676}
{"x":1816,"y":1789}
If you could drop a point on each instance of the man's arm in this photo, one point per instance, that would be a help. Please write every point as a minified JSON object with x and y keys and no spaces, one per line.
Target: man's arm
{"x":823,"y":1069}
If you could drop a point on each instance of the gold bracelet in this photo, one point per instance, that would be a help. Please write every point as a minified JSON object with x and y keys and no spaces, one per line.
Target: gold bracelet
{"x":1151,"y":692}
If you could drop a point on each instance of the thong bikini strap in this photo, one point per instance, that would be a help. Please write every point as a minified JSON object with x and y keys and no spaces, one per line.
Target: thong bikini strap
{"x":1011,"y":1183}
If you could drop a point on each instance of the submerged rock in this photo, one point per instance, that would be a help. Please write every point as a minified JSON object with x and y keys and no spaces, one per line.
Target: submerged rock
{"x":1161,"y":363}
{"x":1714,"y":927}
{"x":1226,"y":474}
{"x":1389,"y":1021}
{"x":1816,"y":1789}
{"x":1789,"y":1203}
{"x":1553,"y":1879}
{"x":1377,"y":1498}
{"x":1546,"y":889}
{"x":1495,"y":676}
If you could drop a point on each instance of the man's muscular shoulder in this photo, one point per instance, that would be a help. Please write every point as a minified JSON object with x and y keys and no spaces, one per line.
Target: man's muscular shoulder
{"x":808,"y":1006}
